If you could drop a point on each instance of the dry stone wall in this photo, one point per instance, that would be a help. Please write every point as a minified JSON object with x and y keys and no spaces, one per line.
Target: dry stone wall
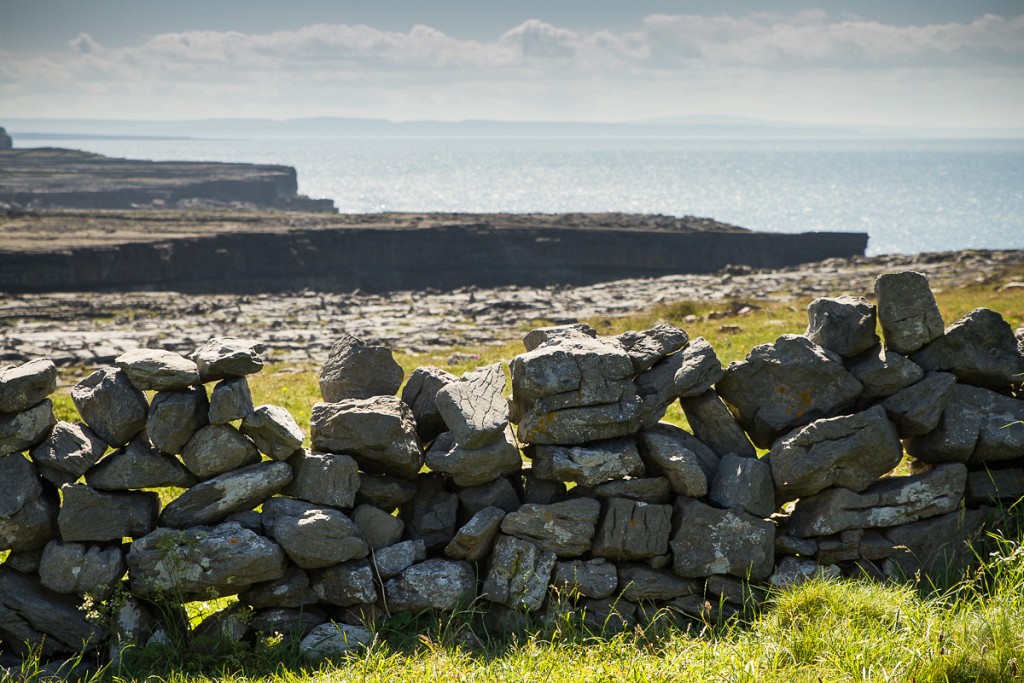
{"x":425,"y":500}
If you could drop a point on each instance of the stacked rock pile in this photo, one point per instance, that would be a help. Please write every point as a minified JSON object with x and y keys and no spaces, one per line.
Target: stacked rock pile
{"x":424,"y":501}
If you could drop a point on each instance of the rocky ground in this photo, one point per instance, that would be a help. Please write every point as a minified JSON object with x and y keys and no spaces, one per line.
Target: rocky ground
{"x":92,"y":329}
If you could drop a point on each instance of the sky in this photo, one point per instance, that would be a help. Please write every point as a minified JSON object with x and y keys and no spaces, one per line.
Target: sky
{"x":906,"y":63}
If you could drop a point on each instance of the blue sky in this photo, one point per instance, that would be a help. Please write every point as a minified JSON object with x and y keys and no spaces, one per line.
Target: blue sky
{"x":936,"y":63}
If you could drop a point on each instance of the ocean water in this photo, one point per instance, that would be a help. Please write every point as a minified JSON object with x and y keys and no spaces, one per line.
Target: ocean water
{"x":909,"y":196}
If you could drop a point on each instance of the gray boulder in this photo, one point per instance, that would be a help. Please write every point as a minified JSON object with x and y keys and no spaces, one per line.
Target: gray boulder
{"x":939,"y":548}
{"x":324,"y":478}
{"x":138,"y":466}
{"x":202,"y":562}
{"x":27,"y":429}
{"x":393,"y":560}
{"x":312,"y":536}
{"x":631,"y":530}
{"x":519,"y":575}
{"x":844,"y":325}
{"x":978,"y":426}
{"x":654,"y":490}
{"x":744,"y":484}
{"x":715,"y":426}
{"x":383,"y":491}
{"x":588,"y":464}
{"x":699,"y":369}
{"x":88,"y":515}
{"x":499,"y":493}
{"x":274,"y":431}
{"x":664,"y":452}
{"x":595,"y":578}
{"x":711,"y":541}
{"x":791,"y":572}
{"x":473,"y":541}
{"x":851,"y":451}
{"x":291,"y":590}
{"x":890,"y":502}
{"x":883,"y":373}
{"x":475,"y":466}
{"x":31,"y":527}
{"x":378,"y":528}
{"x":474,"y":408}
{"x":994,"y":487}
{"x":540,"y":491}
{"x":542,"y":335}
{"x":648,"y":348}
{"x":223,"y":357}
{"x":379,"y":432}
{"x":346,"y":585}
{"x":358,"y":370}
{"x":419,"y":394}
{"x":214,"y":499}
{"x":158,"y":370}
{"x":216,"y":449}
{"x":907,"y":311}
{"x":230,"y":400}
{"x":36,"y":620}
{"x":656,"y":389}
{"x":443,"y":585}
{"x":27,"y":561}
{"x":81,"y":569}
{"x":979,"y":349}
{"x":70,"y":450}
{"x":20,"y":483}
{"x":432,"y":513}
{"x":639,"y":583}
{"x":917,"y":409}
{"x":565,"y":528}
{"x":111,"y":405}
{"x":290,"y":624}
{"x":785,"y":385}
{"x":334,"y":640}
{"x":23,"y":386}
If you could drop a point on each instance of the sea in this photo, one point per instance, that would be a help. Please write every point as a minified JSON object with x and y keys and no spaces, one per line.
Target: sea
{"x":910,"y":196}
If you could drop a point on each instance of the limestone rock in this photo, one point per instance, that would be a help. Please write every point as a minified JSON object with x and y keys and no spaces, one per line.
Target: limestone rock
{"x":844,"y":325}
{"x":31,"y":527}
{"x":216,"y":449}
{"x":631,"y":530}
{"x":20,"y":483}
{"x":138,"y":466}
{"x":223,"y":357}
{"x":589,"y":464}
{"x":292,"y":624}
{"x":711,"y":541}
{"x":324,"y":478}
{"x":595,"y":578}
{"x":312,"y":536}
{"x":274,"y":431}
{"x":77,"y":568}
{"x":664,"y":452}
{"x":917,"y":409}
{"x":638,"y":583}
{"x":23,"y":386}
{"x":431,"y":514}
{"x":654,"y":490}
{"x":378,"y":528}
{"x":883,"y":373}
{"x":656,"y":389}
{"x":333,"y":640}
{"x":158,"y":370}
{"x":474,"y":408}
{"x":992,"y":487}
{"x":473,"y":541}
{"x":646,"y":349}
{"x":744,"y":484}
{"x":358,"y":370}
{"x":519,"y":574}
{"x":541,"y":491}
{"x":379,"y":432}
{"x":907,"y":311}
{"x":542,"y":335}
{"x":978,"y":426}
{"x":565,"y":529}
{"x":111,"y":405}
{"x":785,"y":385}
{"x":419,"y":394}
{"x":346,"y":585}
{"x":27,"y":429}
{"x":584,"y":424}
{"x":70,"y":450}
{"x":890,"y":502}
{"x":393,"y":560}
{"x":940,"y":547}
{"x":442,"y":585}
{"x":851,"y":451}
{"x":96,"y":516}
{"x":291,"y":590}
{"x":202,"y":562}
{"x":499,"y":493}
{"x":714,"y":425}
{"x":791,"y":572}
{"x":979,"y":349}
{"x":384,"y":492}
{"x":475,"y":466}
{"x":230,"y":400}
{"x":699,"y":369}
{"x":214,"y":499}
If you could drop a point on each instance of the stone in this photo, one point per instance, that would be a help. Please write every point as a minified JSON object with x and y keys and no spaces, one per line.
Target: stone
{"x":542,"y":335}
{"x":223,"y":357}
{"x":474,"y":466}
{"x":907,"y":311}
{"x":378,"y":528}
{"x":664,"y":453}
{"x":917,"y":409}
{"x":786,"y":385}
{"x":230,"y":625}
{"x":851,"y":451}
{"x":325,"y":478}
{"x":250,"y":519}
{"x":80,"y":569}
{"x":607,"y":617}
{"x":631,"y":530}
{"x":334,"y":640}
{"x":655,"y":490}
{"x":473,"y":541}
{"x":27,"y":561}
{"x":312,"y":536}
{"x":791,"y":545}
{"x":379,"y":432}
{"x":355,"y":369}
{"x":892,"y":501}
{"x":714,"y":425}
{"x":519,"y":574}
{"x":996,"y":486}
{"x":88,"y":515}
{"x":940,"y":548}
{"x":419,"y":394}
{"x":31,"y":527}
{"x":711,"y":541}
{"x":216,"y":449}
{"x":883,"y":373}
{"x":291,"y":590}
{"x":202,"y":562}
{"x":499,"y":493}
{"x":383,"y":491}
{"x":656,"y":389}
{"x":20,"y":483}
{"x":346,"y":585}
{"x":844,"y":325}
{"x":138,"y":466}
{"x":26,"y":385}
{"x":565,"y":529}
{"x":474,"y":408}
{"x":230,"y":400}
{"x":291,"y":624}
{"x":698,"y":370}
{"x":541,"y":491}
{"x":443,"y":585}
{"x":27,"y":429}
{"x":791,"y":572}
{"x":274,"y":431}
{"x":583,"y":424}
{"x":70,"y":450}
{"x":214,"y":499}
{"x":111,"y":405}
{"x":595,"y":578}
{"x":979,"y":349}
{"x":158,"y":370}
{"x":588,"y":464}
{"x":34,"y":620}
{"x":638,"y":583}
{"x":978,"y":426}
{"x":393,"y":560}
{"x":648,"y":348}
{"x":134,"y":622}
{"x":432,"y":513}
{"x":744,"y":484}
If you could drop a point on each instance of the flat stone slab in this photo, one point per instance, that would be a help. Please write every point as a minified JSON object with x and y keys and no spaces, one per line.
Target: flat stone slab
{"x":664,"y":453}
{"x":89,"y":515}
{"x":595,"y":578}
{"x":379,"y":432}
{"x":23,"y":386}
{"x":223,"y":357}
{"x":588,"y":464}
{"x":214,"y":499}
{"x":158,"y":370}
{"x":710,"y":541}
{"x":980,"y":349}
{"x":442,"y":585}
{"x":475,"y":466}
{"x":473,"y":541}
{"x":565,"y":528}
{"x":699,"y":369}
{"x":632,"y":530}
{"x":139,"y":465}
{"x":649,"y":347}
{"x":977,"y":426}
{"x":475,"y":408}
{"x":274,"y":431}
{"x":714,"y":425}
